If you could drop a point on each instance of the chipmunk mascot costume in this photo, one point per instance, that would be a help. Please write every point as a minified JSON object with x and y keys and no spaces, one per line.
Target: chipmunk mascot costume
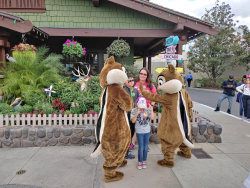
{"x":174,"y":128}
{"x":112,"y":130}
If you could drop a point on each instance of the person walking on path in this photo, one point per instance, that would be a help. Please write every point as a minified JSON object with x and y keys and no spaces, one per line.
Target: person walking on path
{"x":229,"y":87}
{"x":144,"y":77}
{"x":141,"y":116}
{"x":189,"y":78}
{"x":239,"y":98}
{"x":134,"y":94}
{"x":244,"y":89}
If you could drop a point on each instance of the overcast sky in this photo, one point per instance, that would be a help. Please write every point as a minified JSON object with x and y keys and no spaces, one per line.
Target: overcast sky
{"x":196,"y":8}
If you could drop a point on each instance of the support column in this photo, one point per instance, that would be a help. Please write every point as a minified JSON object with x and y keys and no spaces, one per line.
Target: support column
{"x":179,"y":51}
{"x":149,"y":64}
{"x":144,"y":62}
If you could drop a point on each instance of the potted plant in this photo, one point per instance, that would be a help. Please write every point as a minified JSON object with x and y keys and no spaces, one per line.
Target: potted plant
{"x":73,"y":49}
{"x":119,"y":48}
{"x":24,"y":53}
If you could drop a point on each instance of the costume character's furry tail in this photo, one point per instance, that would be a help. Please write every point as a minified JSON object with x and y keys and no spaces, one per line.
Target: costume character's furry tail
{"x":100,"y":125}
{"x":185,"y":123}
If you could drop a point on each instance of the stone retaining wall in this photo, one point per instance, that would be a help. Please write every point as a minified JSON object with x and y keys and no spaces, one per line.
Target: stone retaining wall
{"x":206,"y":131}
{"x":15,"y":137}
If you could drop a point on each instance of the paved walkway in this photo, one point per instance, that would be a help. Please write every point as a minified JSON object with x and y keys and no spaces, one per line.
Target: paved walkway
{"x":72,"y":167}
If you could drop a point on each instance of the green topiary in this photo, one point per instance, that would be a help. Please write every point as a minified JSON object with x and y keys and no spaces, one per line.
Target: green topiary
{"x":119,"y":48}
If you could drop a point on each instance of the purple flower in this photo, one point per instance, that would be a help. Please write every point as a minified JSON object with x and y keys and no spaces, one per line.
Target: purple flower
{"x":74,"y":42}
{"x":68,"y":44}
{"x":84,"y":48}
{"x":67,"y":41}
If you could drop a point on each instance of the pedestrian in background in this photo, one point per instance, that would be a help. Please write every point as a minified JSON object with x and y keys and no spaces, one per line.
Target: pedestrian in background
{"x":189,"y":78}
{"x":239,"y":98}
{"x":229,"y":87}
{"x":244,"y":89}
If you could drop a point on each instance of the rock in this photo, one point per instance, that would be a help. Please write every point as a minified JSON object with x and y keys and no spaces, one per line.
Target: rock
{"x":217,"y":139}
{"x":31,"y":138}
{"x":7,"y":142}
{"x":64,"y":140}
{"x":57,"y":132}
{"x":156,"y":130}
{"x":77,"y":131}
{"x":40,"y":143}
{"x":1,"y":132}
{"x":66,"y":131}
{"x":32,"y":131}
{"x":46,"y":139}
{"x":0,"y":143}
{"x":27,"y":143}
{"x":52,"y":142}
{"x":93,"y":131}
{"x":16,"y":133}
{"x":153,"y":129}
{"x":210,"y":127}
{"x":75,"y":139}
{"x":25,"y":132}
{"x":94,"y":140}
{"x":217,"y":129}
{"x":41,"y":132}
{"x":154,"y":138}
{"x":50,"y":132}
{"x":207,"y":136}
{"x":7,"y":133}
{"x":210,"y":141}
{"x":79,"y":126}
{"x":202,"y":127}
{"x":86,"y":140}
{"x":87,"y":132}
{"x":200,"y":139}
{"x":194,"y":129}
{"x":16,"y":143}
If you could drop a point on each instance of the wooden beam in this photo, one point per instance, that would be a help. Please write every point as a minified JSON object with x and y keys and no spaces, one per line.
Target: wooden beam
{"x":23,"y":10}
{"x":96,"y":3}
{"x":21,"y":27}
{"x":80,"y":32}
{"x":155,"y":44}
{"x":178,"y":27}
{"x":2,"y":54}
{"x":149,"y":64}
{"x":144,"y":62}
{"x":188,"y":23}
{"x":4,"y":32}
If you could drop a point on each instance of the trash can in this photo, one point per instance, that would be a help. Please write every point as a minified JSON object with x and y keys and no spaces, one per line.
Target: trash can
{"x":198,"y":85}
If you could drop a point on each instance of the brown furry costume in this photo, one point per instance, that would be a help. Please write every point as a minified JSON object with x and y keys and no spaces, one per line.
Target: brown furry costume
{"x":174,"y":129}
{"x":112,"y":130}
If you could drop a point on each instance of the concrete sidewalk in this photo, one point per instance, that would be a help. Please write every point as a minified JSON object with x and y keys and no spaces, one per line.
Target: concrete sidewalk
{"x":72,"y":167}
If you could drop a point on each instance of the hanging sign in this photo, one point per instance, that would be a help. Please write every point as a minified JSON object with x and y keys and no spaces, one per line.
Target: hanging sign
{"x":170,"y":56}
{"x":178,"y":69}
{"x":171,"y":49}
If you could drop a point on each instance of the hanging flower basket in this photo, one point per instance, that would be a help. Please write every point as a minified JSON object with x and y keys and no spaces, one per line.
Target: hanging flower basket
{"x":73,"y":49}
{"x":24,"y":54}
{"x":119,"y":48}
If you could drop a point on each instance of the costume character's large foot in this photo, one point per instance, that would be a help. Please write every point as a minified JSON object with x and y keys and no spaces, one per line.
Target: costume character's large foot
{"x":180,"y":153}
{"x":117,"y":177}
{"x":124,"y":163}
{"x":166,"y":163}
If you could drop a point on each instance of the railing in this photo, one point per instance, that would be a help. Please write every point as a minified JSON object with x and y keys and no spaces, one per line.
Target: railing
{"x":59,"y":120}
{"x":24,"y":4}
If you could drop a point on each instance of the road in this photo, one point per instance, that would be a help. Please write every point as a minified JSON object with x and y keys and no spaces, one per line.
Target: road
{"x":211,"y":98}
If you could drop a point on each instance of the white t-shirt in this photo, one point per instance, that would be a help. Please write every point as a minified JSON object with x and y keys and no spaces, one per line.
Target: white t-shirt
{"x":142,"y":125}
{"x":244,"y":89}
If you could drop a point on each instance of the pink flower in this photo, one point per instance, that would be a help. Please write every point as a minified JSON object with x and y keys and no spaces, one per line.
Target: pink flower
{"x":68,"y":44}
{"x":73,"y":104}
{"x":67,"y":41}
{"x":55,"y":113}
{"x":84,"y":48}
{"x":88,"y":114}
{"x":74,"y":42}
{"x":88,"y":77}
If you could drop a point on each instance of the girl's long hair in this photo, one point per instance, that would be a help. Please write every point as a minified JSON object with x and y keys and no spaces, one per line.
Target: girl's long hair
{"x":148,"y":80}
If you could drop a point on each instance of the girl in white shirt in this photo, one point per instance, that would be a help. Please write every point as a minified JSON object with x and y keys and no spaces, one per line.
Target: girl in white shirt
{"x":244,"y":89}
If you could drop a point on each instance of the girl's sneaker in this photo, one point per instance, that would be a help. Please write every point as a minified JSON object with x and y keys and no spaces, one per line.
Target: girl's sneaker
{"x":243,"y":118}
{"x":247,"y":120}
{"x":132,"y":146}
{"x":139,"y":167}
{"x":144,"y":166}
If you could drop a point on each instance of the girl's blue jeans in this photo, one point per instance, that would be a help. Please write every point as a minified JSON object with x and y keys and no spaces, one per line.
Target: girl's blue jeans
{"x":143,"y":140}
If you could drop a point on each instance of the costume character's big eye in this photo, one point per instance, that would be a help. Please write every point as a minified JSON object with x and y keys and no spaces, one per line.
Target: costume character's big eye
{"x":161,"y":80}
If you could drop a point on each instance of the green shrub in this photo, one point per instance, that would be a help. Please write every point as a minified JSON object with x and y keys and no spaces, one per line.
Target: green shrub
{"x":213,"y":83}
{"x":44,"y":108}
{"x":25,"y":108}
{"x":6,"y":109}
